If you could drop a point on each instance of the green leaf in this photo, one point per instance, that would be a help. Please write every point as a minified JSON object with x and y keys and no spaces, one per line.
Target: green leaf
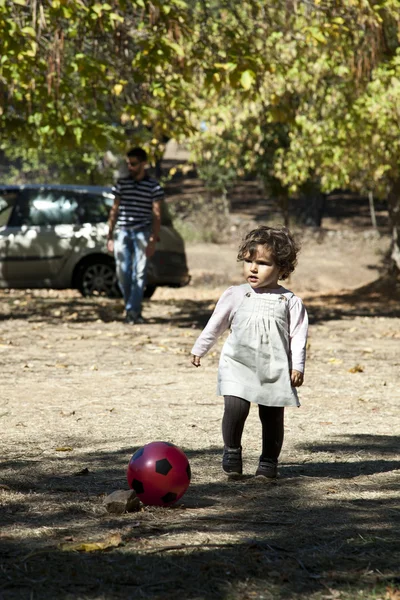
{"x":247,"y":79}
{"x":78,"y":131}
{"x":28,"y":31}
{"x":317,"y":35}
{"x":178,"y":49}
{"x":116,"y":17}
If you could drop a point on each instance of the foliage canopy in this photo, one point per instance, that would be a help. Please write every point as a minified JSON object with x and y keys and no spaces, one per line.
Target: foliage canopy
{"x":295,"y":91}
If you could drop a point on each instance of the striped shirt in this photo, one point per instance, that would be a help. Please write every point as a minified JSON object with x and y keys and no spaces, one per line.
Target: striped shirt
{"x":136,"y":201}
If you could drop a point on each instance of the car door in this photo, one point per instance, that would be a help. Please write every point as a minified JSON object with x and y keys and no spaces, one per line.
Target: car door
{"x":8,"y":199}
{"x":40,"y":237}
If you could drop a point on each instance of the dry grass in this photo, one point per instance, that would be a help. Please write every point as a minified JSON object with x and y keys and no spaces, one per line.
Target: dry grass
{"x":73,"y":376}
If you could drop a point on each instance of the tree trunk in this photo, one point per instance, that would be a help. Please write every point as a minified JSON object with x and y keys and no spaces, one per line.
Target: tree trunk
{"x":394,"y":221}
{"x":309,"y":208}
{"x":284,"y":204}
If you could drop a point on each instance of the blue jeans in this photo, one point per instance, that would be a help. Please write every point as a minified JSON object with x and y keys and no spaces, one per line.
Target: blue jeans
{"x":130,"y":256}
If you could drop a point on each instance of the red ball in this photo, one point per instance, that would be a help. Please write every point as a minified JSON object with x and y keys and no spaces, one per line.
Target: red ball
{"x":159,"y":473}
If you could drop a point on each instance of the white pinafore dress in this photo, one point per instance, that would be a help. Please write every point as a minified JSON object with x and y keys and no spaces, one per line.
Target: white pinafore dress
{"x":255,"y":359}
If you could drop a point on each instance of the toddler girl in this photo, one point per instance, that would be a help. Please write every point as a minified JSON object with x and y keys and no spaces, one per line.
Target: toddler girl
{"x":263,"y":358}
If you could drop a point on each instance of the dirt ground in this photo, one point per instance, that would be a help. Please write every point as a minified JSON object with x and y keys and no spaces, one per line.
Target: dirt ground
{"x":81,"y":391}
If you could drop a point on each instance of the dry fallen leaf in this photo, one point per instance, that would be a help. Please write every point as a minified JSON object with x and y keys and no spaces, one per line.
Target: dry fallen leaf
{"x":84,"y":471}
{"x":356,"y":369}
{"x":64,"y":449}
{"x":335,"y":361}
{"x":392,"y":593}
{"x":72,"y":316}
{"x":112,"y":542}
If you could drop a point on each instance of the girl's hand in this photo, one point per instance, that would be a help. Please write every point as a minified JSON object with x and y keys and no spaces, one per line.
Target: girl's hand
{"x":296,"y":377}
{"x":195,"y":360}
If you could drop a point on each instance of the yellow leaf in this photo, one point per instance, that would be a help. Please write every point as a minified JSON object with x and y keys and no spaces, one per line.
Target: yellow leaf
{"x":112,"y":542}
{"x":117,"y":89}
{"x":64,"y":449}
{"x":335,"y":361}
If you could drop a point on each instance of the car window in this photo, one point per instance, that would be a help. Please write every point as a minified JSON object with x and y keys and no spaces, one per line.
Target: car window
{"x":94,"y":208}
{"x":46,"y":208}
{"x":7,"y":202}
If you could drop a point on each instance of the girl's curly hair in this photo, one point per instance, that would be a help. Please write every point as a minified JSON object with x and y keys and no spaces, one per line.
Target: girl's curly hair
{"x":277,"y":240}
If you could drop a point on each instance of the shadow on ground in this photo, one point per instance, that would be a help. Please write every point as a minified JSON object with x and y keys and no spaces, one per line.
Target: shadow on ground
{"x":224,"y":540}
{"x":379,"y":298}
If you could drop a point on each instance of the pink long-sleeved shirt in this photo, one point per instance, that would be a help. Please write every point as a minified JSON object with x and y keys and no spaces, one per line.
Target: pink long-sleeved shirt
{"x":226,"y":308}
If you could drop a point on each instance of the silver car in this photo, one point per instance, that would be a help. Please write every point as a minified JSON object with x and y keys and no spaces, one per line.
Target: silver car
{"x":54,"y":236}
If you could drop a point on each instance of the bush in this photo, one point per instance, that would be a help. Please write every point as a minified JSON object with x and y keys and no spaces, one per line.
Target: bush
{"x":203,"y":219}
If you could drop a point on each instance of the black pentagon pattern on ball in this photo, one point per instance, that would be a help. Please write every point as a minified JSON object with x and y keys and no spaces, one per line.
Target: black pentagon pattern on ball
{"x":189,"y":472}
{"x":168,"y":498}
{"x":163,"y":466}
{"x":137,"y":454}
{"x":137,"y":486}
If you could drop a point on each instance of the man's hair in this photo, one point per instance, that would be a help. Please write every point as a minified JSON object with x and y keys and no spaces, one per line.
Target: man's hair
{"x":278,"y":240}
{"x":138,"y":153}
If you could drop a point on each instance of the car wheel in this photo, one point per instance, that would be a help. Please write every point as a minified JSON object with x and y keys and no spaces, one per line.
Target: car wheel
{"x":98,"y":279}
{"x":149,"y":291}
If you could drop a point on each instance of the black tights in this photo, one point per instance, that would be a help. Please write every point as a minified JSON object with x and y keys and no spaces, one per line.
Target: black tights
{"x":271,"y":417}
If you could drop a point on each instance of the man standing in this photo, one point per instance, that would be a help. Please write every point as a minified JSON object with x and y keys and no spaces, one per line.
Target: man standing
{"x":136,"y":216}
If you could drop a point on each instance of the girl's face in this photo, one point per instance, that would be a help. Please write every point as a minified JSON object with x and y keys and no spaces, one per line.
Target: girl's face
{"x":261,"y":270}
